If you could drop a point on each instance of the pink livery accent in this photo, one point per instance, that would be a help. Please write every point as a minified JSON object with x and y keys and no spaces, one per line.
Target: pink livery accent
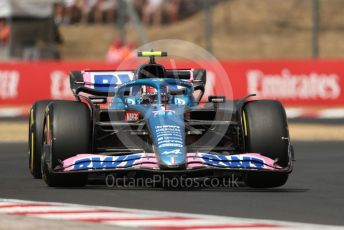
{"x":249,"y":161}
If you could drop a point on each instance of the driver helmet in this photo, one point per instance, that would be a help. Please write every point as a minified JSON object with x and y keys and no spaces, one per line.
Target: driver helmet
{"x":149,"y":94}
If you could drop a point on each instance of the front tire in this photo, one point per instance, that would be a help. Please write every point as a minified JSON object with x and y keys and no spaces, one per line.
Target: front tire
{"x":266,"y":132}
{"x":67,"y":133}
{"x":36,"y":121}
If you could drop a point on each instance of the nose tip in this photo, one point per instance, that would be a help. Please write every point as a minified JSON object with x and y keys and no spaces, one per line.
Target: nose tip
{"x":173,"y":158}
{"x":168,"y":165}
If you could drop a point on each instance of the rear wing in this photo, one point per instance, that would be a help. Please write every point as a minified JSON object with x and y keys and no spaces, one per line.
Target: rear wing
{"x":98,"y":83}
{"x":103,"y":83}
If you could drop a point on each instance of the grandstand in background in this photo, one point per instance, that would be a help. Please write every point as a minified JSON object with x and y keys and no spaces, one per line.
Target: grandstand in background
{"x":230,"y":29}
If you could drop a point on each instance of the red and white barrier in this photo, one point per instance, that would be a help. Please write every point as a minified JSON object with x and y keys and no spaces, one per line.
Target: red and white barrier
{"x":297,"y":83}
{"x":141,"y":219}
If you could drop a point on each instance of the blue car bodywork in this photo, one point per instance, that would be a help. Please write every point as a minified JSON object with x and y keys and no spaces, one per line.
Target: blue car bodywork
{"x":150,"y":120}
{"x":165,"y":120}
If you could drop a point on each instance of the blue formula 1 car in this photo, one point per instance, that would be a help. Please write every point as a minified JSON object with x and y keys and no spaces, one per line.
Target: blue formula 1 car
{"x":149,"y":121}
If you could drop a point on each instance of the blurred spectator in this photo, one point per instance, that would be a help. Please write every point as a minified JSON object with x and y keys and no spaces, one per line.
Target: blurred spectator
{"x":59,"y":13}
{"x":118,"y":51}
{"x":105,"y":10}
{"x":152,"y":11}
{"x":172,"y":9}
{"x":138,"y":6}
{"x":68,"y":13}
{"x":190,"y":7}
{"x":87,"y":7}
{"x":4,"y":32}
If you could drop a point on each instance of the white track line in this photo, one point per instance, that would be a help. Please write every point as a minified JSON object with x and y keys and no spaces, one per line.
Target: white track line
{"x":157,"y":220}
{"x":91,"y":215}
{"x":37,"y":209}
{"x":11,"y":112}
{"x":294,"y":112}
{"x":331,"y":113}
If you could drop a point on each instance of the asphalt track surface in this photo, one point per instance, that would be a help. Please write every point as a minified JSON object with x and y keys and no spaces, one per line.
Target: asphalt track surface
{"x":313,"y":194}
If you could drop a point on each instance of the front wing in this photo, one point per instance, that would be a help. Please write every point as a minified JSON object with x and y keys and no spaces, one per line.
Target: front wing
{"x":147,"y":162}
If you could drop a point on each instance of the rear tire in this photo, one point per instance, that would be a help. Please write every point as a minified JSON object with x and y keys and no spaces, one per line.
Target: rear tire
{"x":67,"y":133}
{"x":36,"y":121}
{"x":266,"y":132}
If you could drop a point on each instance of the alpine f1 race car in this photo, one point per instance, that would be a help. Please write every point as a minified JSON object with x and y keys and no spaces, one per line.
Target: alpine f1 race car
{"x":150,"y":121}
